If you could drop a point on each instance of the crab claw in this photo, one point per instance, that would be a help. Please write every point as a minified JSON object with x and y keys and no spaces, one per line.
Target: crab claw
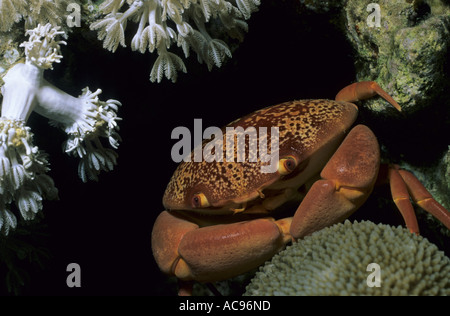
{"x":184,"y":249}
{"x":364,"y":90}
{"x":347,"y":180}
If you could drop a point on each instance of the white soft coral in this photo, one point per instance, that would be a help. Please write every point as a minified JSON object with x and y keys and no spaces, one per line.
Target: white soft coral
{"x":85,"y":119}
{"x":165,"y":22}
{"x":22,"y":174}
{"x":33,"y":12}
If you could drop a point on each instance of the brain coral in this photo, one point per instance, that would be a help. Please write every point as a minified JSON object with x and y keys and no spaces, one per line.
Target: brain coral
{"x":334,"y":261}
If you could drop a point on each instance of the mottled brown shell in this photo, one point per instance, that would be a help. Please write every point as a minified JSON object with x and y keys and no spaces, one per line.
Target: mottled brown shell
{"x":304,"y":127}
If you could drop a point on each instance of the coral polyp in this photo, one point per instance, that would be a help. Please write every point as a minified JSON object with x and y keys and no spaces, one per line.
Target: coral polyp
{"x":181,"y":22}
{"x":23,"y":176}
{"x":32,"y":12}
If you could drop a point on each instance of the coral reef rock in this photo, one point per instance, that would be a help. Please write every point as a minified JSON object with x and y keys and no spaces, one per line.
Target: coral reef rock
{"x":403,"y":45}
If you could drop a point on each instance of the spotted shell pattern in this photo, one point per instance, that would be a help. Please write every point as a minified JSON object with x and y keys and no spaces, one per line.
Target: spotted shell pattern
{"x":304,"y":125}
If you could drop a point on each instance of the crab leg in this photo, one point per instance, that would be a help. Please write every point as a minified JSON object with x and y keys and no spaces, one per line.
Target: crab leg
{"x":401,"y":197}
{"x":424,"y":199}
{"x":364,"y":90}
{"x":347,"y":180}
{"x":212,"y":253}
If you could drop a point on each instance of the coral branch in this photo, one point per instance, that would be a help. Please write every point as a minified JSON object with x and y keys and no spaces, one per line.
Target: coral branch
{"x":85,"y":119}
{"x":33,"y":12}
{"x":165,"y":22}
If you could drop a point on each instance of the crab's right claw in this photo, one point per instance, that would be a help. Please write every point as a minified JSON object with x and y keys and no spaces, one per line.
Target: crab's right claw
{"x":364,"y":90}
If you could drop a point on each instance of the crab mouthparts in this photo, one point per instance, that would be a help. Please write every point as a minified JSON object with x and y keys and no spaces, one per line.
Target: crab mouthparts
{"x":239,"y":210}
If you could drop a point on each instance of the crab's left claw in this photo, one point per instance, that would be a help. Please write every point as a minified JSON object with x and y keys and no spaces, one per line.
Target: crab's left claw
{"x":211,"y":253}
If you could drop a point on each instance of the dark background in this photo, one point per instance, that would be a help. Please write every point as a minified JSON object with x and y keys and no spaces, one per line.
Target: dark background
{"x":106,"y":226}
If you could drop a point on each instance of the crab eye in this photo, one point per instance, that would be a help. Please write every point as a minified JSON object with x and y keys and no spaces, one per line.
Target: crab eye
{"x":287,"y":165}
{"x":199,"y":200}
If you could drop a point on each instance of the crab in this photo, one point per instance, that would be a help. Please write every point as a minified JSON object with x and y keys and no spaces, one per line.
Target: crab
{"x":220,"y":218}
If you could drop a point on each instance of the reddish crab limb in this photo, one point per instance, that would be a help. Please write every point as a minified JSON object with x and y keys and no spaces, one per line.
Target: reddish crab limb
{"x":424,"y":199}
{"x":348,"y":179}
{"x":364,"y":90}
{"x":321,"y":207}
{"x":167,"y":233}
{"x":400,"y":196}
{"x":217,"y":252}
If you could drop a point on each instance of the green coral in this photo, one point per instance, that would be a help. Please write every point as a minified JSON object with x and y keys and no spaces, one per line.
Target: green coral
{"x":445,"y":165}
{"x":334,"y":261}
{"x":406,"y":55}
